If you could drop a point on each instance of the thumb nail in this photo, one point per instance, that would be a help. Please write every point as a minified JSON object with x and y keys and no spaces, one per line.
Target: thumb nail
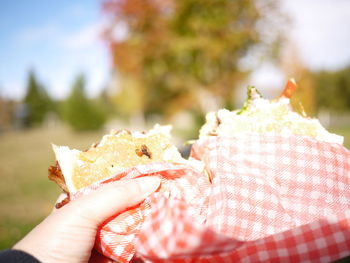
{"x":148,"y":184}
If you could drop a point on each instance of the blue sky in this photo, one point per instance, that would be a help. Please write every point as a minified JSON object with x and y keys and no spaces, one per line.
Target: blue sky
{"x":59,"y":39}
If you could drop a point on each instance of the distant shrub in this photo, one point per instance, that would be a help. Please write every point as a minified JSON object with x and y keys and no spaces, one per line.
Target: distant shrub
{"x":80,"y":112}
{"x":36,"y":103}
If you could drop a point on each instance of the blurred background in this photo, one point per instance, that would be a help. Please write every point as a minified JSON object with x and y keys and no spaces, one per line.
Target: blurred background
{"x":72,"y":70}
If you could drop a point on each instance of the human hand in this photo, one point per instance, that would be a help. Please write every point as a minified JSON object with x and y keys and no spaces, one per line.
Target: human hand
{"x":68,"y":234}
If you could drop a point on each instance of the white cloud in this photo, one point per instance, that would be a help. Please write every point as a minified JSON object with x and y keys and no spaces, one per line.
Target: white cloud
{"x":34,"y":35}
{"x":85,"y":37}
{"x":87,"y":54}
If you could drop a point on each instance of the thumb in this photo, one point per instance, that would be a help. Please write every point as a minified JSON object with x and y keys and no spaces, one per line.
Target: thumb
{"x":112,"y":198}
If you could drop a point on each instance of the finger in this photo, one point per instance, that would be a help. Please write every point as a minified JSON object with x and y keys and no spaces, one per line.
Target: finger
{"x":114,"y":197}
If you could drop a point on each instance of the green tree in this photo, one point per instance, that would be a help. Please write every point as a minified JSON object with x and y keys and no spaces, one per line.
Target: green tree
{"x":172,"y":49}
{"x":37,"y":102}
{"x":333,"y":89}
{"x":79,"y":112}
{"x":104,"y":100}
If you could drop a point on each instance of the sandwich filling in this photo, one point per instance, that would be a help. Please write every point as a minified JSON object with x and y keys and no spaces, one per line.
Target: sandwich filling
{"x":260,"y":115}
{"x":116,"y":152}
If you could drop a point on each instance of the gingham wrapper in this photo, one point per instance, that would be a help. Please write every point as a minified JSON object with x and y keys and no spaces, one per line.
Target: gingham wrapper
{"x":273,"y":198}
{"x":115,"y":237}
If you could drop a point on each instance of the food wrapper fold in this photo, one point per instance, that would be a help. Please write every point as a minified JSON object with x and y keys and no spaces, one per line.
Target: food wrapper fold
{"x":270,"y":198}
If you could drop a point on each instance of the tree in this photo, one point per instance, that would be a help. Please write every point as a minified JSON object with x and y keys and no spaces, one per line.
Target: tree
{"x":333,"y":89}
{"x":172,"y":49}
{"x":79,"y":112}
{"x":36,"y":101}
{"x":104,"y":103}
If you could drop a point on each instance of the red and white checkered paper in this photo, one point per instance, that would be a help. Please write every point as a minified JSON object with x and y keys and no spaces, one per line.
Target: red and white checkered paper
{"x":272,"y":198}
{"x":116,"y":237}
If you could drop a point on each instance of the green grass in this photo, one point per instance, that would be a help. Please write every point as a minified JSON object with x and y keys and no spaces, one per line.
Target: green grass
{"x":26,"y":195}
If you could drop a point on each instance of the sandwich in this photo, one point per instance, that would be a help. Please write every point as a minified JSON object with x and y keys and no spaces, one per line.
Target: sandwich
{"x":115,"y":153}
{"x":260,"y":115}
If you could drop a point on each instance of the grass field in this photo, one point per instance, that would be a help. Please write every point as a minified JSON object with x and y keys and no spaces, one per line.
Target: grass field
{"x":26,"y":195}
